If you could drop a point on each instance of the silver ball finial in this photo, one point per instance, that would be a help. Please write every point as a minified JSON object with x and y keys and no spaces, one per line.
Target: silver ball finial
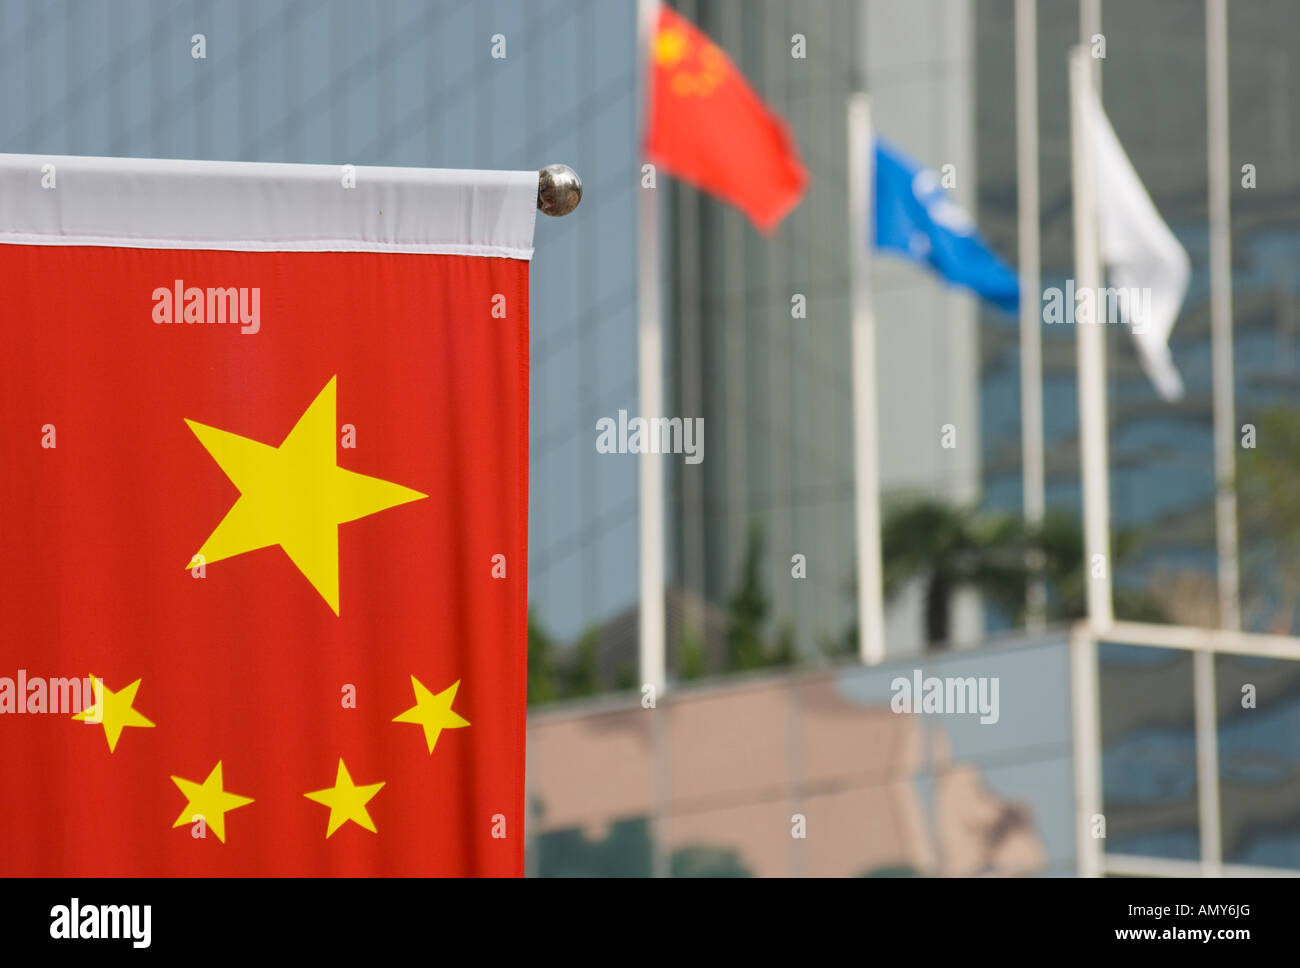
{"x":559,"y":190}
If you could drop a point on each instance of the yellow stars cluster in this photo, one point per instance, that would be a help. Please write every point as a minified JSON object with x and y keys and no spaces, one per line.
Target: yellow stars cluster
{"x":294,"y":496}
{"x":671,"y":47}
{"x":211,"y":801}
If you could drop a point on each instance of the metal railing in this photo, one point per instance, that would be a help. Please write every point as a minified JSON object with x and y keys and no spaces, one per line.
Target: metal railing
{"x":1203,"y":644}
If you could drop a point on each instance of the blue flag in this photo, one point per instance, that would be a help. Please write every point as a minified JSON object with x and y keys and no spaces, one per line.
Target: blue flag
{"x":915,"y":216}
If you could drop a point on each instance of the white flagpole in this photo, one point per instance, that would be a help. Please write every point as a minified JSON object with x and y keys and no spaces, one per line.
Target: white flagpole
{"x":650,"y":388}
{"x":871,"y":608}
{"x":1031,"y":340}
{"x":1091,"y":335}
{"x":1089,"y":27}
{"x":1203,"y":675}
{"x":1216,"y":81}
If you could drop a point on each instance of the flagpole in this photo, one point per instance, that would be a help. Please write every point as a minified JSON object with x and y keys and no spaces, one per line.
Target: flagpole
{"x":1033,"y":472}
{"x":1089,"y":27}
{"x":651,"y":639}
{"x":871,"y":623}
{"x":650,"y":392}
{"x":1216,"y":80}
{"x":1091,"y":335}
{"x":1225,"y":506}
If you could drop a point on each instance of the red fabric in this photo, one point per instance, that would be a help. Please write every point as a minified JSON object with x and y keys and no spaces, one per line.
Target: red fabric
{"x":248,"y":665}
{"x":708,"y":127}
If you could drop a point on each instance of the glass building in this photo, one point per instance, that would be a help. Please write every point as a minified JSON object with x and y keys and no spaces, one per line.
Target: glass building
{"x":1153,"y":84}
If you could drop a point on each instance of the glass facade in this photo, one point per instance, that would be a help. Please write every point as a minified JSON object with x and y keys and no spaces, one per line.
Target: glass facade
{"x":1162,"y":458}
{"x":1153,"y":83}
{"x":760,"y":347}
{"x":816,"y":775}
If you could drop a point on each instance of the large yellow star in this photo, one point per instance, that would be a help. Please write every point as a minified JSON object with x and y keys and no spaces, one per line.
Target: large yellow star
{"x":670,"y":46}
{"x":346,"y":801}
{"x":208,"y":800}
{"x":113,"y":709}
{"x":294,"y":495}
{"x":432,"y":712}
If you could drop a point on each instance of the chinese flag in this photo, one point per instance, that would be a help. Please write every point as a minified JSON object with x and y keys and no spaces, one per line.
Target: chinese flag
{"x":263,"y":469}
{"x":707,"y":126}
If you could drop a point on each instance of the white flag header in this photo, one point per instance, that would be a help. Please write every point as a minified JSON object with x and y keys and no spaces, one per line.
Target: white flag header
{"x":252,"y":206}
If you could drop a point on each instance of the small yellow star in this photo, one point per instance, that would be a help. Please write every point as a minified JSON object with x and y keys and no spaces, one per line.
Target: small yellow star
{"x":113,"y":709}
{"x":432,"y":712}
{"x":208,"y":800}
{"x":346,"y":801}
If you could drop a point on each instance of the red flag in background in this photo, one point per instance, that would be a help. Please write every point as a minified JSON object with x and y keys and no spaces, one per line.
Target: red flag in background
{"x":263,"y":466}
{"x":708,"y":127}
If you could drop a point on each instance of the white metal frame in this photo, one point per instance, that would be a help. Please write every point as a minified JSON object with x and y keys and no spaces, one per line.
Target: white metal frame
{"x":1085,"y":702}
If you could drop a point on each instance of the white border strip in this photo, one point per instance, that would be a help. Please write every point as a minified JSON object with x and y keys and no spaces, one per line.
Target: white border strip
{"x":1134,"y":865}
{"x":259,"y":207}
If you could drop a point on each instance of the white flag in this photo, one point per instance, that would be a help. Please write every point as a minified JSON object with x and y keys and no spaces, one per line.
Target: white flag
{"x":1141,"y":255}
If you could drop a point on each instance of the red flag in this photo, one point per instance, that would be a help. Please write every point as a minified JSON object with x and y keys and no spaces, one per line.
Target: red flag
{"x":264,"y":450}
{"x":708,"y":127}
